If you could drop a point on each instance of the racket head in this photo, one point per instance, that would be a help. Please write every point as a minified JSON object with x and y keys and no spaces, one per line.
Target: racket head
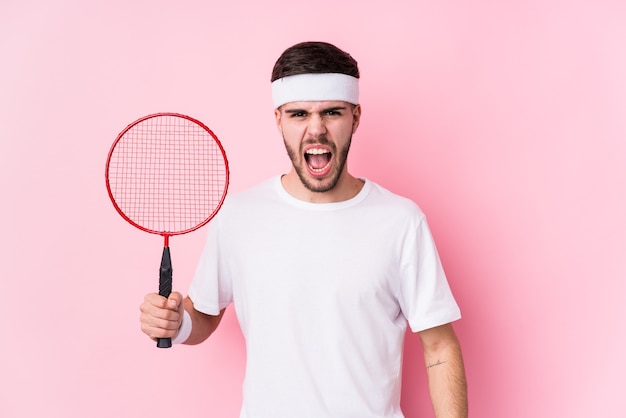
{"x":167,"y":174}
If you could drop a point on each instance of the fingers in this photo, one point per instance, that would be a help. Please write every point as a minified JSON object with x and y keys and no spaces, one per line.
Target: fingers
{"x":160,"y":317}
{"x":174,"y":301}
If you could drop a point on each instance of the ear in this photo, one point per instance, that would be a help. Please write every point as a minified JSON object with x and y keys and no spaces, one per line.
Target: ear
{"x":277,"y":116}
{"x":356,"y":115}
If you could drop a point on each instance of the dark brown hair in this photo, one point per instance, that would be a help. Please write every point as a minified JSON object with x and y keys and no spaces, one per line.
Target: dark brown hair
{"x":314,"y":58}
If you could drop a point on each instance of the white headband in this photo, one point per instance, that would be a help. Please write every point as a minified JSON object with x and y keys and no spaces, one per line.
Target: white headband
{"x":315,"y":87}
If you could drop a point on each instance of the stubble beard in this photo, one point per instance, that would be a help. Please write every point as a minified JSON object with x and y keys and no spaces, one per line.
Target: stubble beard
{"x":328,"y":183}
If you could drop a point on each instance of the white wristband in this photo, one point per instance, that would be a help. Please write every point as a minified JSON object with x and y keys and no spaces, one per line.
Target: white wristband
{"x":185,"y":329}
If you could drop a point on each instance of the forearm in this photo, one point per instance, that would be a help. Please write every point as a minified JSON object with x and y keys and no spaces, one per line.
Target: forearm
{"x":446,"y":381}
{"x":445,"y":370}
{"x":203,"y":325}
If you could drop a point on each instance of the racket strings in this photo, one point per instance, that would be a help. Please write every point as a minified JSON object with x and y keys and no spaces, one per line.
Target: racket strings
{"x":167,"y":174}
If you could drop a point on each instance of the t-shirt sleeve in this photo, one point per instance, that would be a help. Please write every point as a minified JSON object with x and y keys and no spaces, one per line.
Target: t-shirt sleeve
{"x":425,"y":297}
{"x":210,"y":291}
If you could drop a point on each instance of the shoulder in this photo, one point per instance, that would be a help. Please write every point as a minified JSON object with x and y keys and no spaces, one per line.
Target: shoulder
{"x":249,"y":199}
{"x":258,"y":191}
{"x":383,"y":198}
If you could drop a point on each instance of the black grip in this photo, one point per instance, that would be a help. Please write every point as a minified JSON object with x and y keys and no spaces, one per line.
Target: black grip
{"x":165,"y":288}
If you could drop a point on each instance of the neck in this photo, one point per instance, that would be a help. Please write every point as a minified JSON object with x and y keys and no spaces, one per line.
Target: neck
{"x":346,"y":188}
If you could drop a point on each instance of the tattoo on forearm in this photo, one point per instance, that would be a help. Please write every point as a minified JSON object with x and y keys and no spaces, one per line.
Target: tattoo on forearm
{"x":439,"y":362}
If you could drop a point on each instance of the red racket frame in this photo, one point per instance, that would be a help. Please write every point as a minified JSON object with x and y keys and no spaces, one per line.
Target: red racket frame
{"x":168,"y":234}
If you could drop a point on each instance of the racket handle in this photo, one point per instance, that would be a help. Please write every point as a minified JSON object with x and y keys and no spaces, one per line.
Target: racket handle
{"x":165,"y":287}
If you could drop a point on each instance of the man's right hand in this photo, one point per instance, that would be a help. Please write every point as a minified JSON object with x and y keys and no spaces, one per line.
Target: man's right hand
{"x":160,"y":316}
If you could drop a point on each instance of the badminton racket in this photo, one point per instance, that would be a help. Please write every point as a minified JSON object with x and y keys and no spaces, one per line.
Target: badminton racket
{"x":167,"y":174}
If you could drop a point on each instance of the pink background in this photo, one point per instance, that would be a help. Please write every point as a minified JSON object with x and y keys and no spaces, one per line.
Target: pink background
{"x":504,"y":120}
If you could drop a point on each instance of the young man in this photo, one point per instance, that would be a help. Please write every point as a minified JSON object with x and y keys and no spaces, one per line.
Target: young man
{"x":325,"y":270}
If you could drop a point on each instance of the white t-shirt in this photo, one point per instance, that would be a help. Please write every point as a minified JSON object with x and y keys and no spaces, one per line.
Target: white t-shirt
{"x":323,"y":293}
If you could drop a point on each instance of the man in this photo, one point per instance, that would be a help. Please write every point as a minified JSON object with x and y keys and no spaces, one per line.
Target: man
{"x":325,"y":270}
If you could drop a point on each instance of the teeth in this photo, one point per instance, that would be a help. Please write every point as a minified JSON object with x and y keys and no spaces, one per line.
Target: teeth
{"x":317,"y":151}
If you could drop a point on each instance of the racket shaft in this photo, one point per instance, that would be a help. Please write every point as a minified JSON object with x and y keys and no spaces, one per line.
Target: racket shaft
{"x":165,"y":287}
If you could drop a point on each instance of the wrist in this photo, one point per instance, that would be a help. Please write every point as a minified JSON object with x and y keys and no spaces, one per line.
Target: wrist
{"x":184,"y":330}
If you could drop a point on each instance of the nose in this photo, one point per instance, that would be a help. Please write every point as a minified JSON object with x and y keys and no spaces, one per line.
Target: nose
{"x":316,"y":126}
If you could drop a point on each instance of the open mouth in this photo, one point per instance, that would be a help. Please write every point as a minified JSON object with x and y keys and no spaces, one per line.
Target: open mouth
{"x":318,"y":159}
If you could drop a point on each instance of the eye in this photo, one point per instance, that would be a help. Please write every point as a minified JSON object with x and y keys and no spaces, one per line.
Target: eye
{"x":333,"y":112}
